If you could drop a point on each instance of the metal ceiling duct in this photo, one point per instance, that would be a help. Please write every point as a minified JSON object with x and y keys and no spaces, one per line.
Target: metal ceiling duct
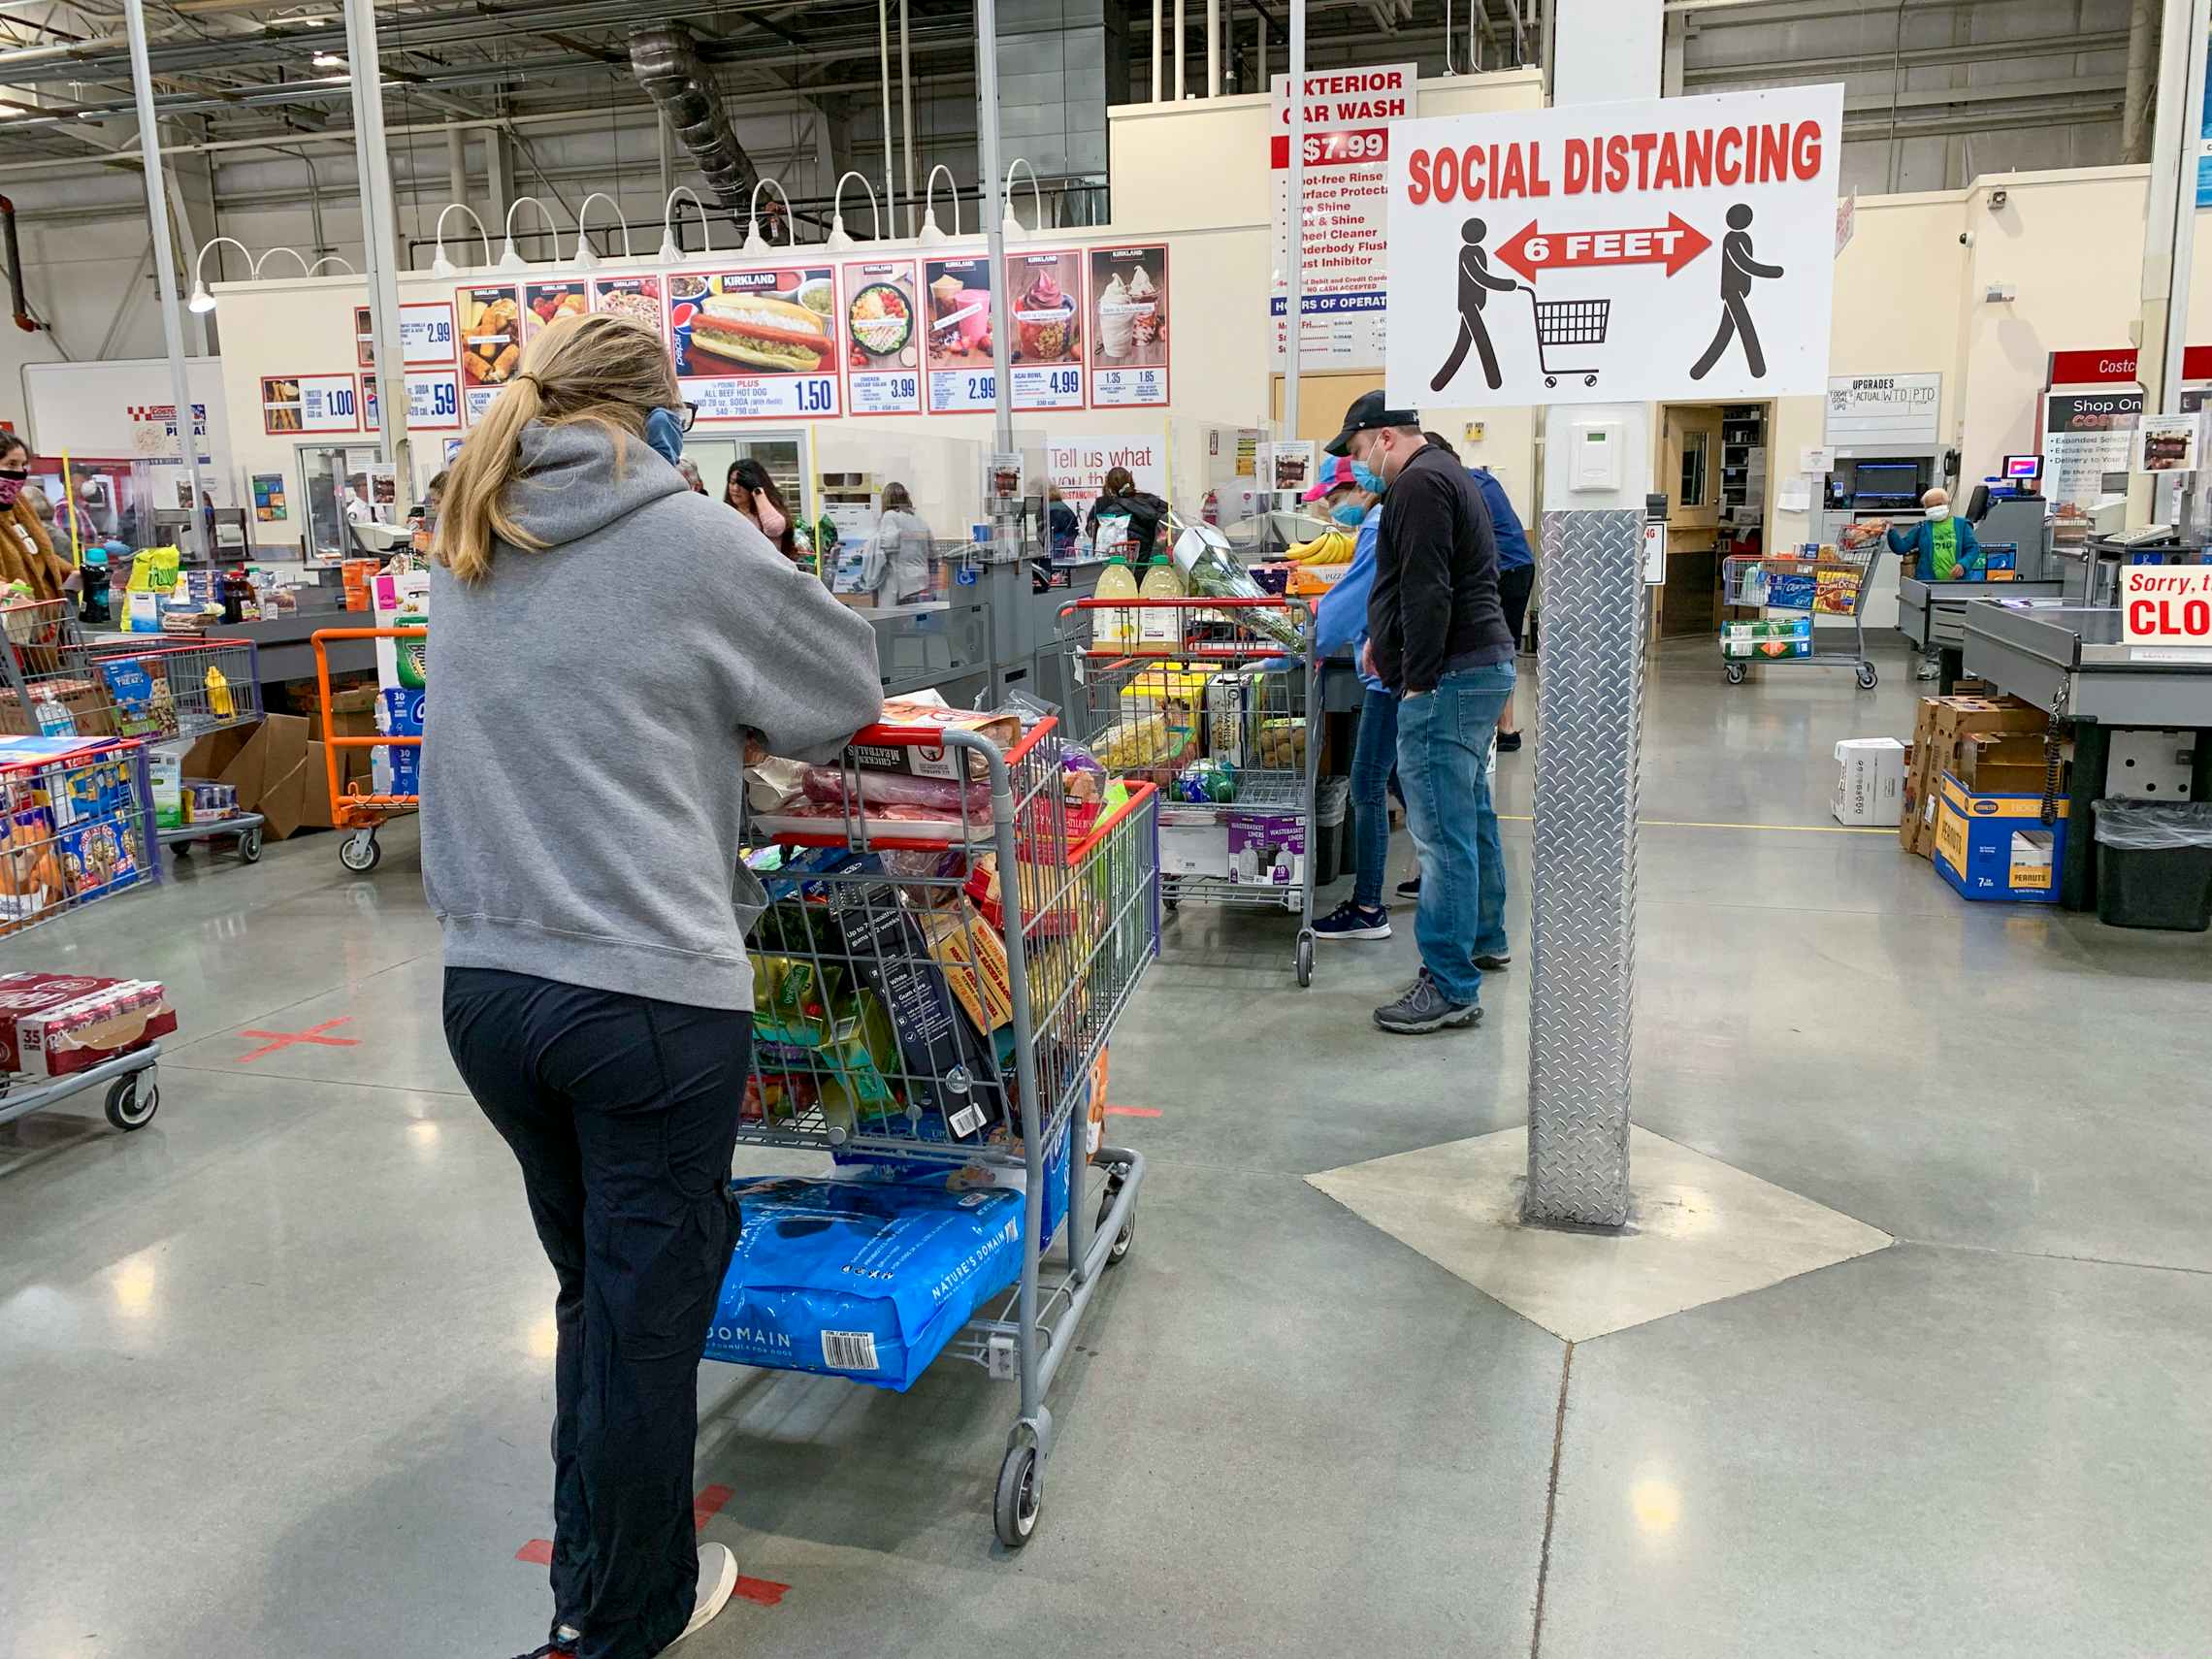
{"x":667,"y":64}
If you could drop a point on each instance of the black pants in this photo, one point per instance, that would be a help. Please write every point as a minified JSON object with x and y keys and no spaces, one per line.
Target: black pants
{"x":623,"y":1114}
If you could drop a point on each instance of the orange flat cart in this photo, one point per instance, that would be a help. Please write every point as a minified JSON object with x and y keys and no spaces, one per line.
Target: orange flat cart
{"x":359,"y":816}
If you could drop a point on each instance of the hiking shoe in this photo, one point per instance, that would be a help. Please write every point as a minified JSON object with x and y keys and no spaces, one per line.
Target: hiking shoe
{"x":1491,"y":964}
{"x":562,"y":1646}
{"x":1350,"y":921}
{"x":1424,"y":1008}
{"x":717,"y":1582}
{"x":1509,"y":741}
{"x":1409,"y":889}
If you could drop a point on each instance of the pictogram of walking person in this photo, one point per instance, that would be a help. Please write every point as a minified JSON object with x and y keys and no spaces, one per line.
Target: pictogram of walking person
{"x":1737,"y":269}
{"x":1476,"y":286}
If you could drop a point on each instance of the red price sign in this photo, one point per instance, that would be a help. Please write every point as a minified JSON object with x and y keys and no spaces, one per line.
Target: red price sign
{"x":1344,"y":148}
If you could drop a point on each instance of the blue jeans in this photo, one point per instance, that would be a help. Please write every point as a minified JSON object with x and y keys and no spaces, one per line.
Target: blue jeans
{"x":1444,"y":739}
{"x":1372,"y":755}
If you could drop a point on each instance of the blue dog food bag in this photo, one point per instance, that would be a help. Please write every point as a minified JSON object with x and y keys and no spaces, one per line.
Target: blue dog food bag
{"x":862,"y":1279}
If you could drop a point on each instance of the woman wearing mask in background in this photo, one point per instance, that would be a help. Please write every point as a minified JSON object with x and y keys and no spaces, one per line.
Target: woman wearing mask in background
{"x":26,"y":549}
{"x":578,"y":854}
{"x":752,"y":492}
{"x":906,"y":544}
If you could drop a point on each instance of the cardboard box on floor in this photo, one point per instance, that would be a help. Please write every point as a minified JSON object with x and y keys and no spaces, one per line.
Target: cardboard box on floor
{"x":276,"y":769}
{"x":1939,"y":732}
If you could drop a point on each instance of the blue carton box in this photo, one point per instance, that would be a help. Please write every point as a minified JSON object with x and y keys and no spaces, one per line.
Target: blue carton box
{"x":1997,"y":847}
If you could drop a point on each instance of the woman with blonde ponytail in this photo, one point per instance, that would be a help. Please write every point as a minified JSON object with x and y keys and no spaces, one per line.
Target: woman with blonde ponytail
{"x":604,"y":645}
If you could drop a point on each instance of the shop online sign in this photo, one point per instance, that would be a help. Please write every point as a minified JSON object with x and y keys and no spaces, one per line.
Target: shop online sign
{"x":1616,"y":252}
{"x":2165,"y":612}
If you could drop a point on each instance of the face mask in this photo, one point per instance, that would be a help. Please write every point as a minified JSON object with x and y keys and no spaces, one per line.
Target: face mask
{"x":665,"y":434}
{"x":772,"y":522}
{"x":1354,"y":513}
{"x":1367,"y":479}
{"x":1939,"y":513}
{"x":11,"y":486}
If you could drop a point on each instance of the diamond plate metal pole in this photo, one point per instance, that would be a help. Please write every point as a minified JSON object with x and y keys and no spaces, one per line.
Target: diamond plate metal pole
{"x":1589,"y":720}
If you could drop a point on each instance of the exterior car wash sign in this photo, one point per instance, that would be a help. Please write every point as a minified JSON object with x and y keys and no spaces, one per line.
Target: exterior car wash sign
{"x":1616,"y":252}
{"x":1351,"y":114}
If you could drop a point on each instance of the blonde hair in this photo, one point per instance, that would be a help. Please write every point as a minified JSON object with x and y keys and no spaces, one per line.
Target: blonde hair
{"x":601,"y":367}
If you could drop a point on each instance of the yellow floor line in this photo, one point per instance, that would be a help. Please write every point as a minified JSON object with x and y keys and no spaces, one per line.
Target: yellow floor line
{"x":1694,"y":824}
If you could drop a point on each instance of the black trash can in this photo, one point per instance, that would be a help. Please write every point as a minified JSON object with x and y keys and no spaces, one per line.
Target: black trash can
{"x":2153,"y":864}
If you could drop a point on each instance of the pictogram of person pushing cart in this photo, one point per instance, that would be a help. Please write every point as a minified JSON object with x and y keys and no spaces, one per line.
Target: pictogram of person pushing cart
{"x":1477,"y":284}
{"x":1737,"y":270}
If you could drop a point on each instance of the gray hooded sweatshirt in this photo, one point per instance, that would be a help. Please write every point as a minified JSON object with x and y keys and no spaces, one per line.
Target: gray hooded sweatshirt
{"x":584,"y":748}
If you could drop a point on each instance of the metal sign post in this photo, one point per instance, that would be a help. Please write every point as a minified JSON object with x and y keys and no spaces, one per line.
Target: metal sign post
{"x":378,"y":241}
{"x":172,"y":316}
{"x":1294,"y":229}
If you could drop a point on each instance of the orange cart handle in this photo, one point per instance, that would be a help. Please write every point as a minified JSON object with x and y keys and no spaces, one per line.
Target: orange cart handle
{"x":320,"y":641}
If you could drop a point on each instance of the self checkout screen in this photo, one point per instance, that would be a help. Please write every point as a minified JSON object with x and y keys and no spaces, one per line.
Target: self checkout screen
{"x":2024,"y":469}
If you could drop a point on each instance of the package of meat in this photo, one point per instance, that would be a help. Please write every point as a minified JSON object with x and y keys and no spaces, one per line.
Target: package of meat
{"x":827,"y":784}
{"x":934,"y":760}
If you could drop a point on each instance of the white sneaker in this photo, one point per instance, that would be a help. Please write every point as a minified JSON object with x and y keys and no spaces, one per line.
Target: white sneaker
{"x":717,"y":1579}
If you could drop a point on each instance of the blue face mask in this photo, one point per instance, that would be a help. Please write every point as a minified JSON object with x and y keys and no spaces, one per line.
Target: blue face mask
{"x":1367,"y":479}
{"x":1352,"y":514}
{"x":665,"y":434}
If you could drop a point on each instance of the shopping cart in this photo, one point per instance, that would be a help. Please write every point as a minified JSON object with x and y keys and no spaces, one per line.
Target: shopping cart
{"x":1795,"y":594}
{"x":160,"y":687}
{"x":1566,"y":322}
{"x":360,"y":815}
{"x":77,"y":831}
{"x":933,"y":993}
{"x":1207,"y":700}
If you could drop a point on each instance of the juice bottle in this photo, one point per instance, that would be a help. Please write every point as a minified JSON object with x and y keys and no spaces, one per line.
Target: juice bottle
{"x":1161,"y":629}
{"x":1116,"y":629}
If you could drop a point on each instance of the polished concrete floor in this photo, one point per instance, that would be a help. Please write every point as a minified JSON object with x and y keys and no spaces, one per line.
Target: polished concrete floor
{"x":276,"y":1367}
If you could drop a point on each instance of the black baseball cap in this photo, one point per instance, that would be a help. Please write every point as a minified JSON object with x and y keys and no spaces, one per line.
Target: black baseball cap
{"x":1367,"y":414}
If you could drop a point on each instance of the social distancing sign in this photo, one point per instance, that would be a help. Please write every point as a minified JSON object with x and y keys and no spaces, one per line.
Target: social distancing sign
{"x":1670,"y":248}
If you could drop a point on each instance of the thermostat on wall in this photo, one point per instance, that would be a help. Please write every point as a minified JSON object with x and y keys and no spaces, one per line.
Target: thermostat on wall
{"x":1596,"y":451}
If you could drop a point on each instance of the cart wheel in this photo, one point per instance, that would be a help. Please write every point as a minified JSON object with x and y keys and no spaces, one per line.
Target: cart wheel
{"x":360,"y":853}
{"x":1589,"y":380}
{"x":1867,"y":678}
{"x":1551,"y":379}
{"x":249,"y":846}
{"x":1735,"y":673}
{"x":180,"y":848}
{"x":1305,"y":959}
{"x":126,"y":1109}
{"x":1127,"y":1236}
{"x":1014,"y":1511}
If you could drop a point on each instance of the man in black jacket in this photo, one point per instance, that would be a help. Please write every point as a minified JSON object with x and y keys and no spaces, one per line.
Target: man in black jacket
{"x":1436,"y":632}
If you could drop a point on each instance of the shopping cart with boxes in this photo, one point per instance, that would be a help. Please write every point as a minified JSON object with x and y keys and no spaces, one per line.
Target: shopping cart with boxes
{"x":1797,"y":595}
{"x":943,"y":941}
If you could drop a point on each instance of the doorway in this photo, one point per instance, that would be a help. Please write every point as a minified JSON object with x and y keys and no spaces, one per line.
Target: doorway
{"x":327,"y":474}
{"x":781,"y":453}
{"x":1711,"y":467}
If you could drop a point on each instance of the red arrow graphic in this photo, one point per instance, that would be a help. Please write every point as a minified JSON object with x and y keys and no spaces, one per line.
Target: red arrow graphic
{"x":1673,"y":246}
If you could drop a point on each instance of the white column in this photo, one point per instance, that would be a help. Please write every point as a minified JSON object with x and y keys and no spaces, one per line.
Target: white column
{"x":380,"y":240}
{"x":994,"y":213}
{"x":2170,"y":227}
{"x":1294,"y":226}
{"x":172,"y":314}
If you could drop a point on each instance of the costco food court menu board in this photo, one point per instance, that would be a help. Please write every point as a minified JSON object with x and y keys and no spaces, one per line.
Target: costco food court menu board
{"x":543,"y":301}
{"x":1128,"y":327}
{"x":956,"y":342}
{"x":1044,"y":304}
{"x":491,"y":343}
{"x":756,"y":344}
{"x":309,"y":403}
{"x":883,"y":342}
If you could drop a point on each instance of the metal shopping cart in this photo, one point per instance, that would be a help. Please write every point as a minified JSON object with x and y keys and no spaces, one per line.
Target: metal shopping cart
{"x":934,"y":989}
{"x":1795,"y":594}
{"x":1566,"y":322}
{"x":1211,"y":700}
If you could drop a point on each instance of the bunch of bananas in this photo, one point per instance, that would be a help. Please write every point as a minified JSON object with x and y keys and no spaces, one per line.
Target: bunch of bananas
{"x":1330,"y":547}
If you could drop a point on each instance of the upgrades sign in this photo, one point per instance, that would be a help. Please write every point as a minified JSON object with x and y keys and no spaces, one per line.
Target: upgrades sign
{"x":1616,"y":252}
